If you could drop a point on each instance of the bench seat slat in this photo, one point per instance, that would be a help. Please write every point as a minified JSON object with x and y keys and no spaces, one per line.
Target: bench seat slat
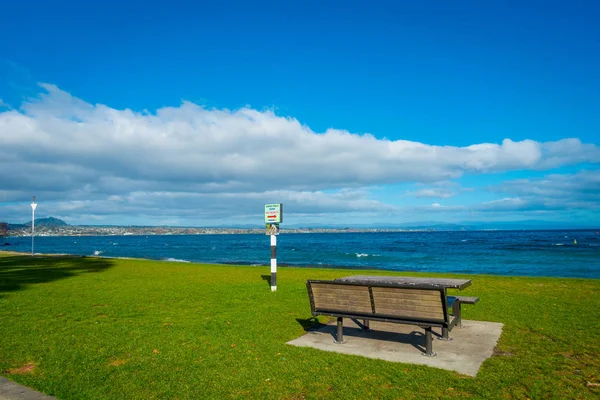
{"x":462,"y":299}
{"x":328,"y":303}
{"x":338,"y":287}
{"x":412,"y":302}
{"x":408,"y":306}
{"x":323,"y":302}
{"x":407,"y":291}
{"x":353,"y":299}
{"x":352,"y":291}
{"x":342,"y":293}
{"x":439,"y":315}
{"x":400,"y":309}
{"x":467,"y":300}
{"x":345,"y":309}
{"x":407,"y":294}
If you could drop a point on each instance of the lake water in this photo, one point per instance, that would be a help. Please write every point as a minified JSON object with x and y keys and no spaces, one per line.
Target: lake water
{"x":533,"y":253}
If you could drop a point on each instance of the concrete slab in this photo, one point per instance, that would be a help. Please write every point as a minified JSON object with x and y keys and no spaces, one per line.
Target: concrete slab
{"x":470,"y":346}
{"x":10,"y":390}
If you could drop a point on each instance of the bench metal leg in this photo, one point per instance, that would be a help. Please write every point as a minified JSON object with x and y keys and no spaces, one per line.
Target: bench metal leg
{"x":365,"y":326}
{"x":456,"y":313}
{"x":445,"y":332}
{"x":428,"y":343}
{"x":339,"y":339}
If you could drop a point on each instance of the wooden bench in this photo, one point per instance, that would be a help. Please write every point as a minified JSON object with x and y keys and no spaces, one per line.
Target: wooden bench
{"x":424,"y":306}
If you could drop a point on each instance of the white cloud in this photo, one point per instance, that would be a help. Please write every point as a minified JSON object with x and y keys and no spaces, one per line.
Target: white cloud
{"x":434,"y":192}
{"x":61,"y":147}
{"x":438,"y":208}
{"x":505,"y":204}
{"x":442,"y":190}
{"x":205,"y":208}
{"x":554,"y":197}
{"x":556,"y":191}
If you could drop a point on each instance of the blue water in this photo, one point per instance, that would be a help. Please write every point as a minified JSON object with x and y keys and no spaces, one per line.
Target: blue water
{"x":533,"y":253}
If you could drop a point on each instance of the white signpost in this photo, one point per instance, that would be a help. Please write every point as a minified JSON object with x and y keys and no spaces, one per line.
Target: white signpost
{"x":33,"y":206}
{"x":273,"y":217}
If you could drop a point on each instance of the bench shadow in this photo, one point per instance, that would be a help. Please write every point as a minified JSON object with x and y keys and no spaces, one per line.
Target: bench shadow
{"x":16,"y":272}
{"x":415,"y":338}
{"x":310,"y":324}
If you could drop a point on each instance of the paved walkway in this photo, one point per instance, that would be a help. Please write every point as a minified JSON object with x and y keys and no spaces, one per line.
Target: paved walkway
{"x":13,"y":391}
{"x":469,"y":348}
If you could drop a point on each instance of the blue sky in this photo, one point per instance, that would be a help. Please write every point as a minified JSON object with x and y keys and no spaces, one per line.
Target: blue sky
{"x":386,"y":112}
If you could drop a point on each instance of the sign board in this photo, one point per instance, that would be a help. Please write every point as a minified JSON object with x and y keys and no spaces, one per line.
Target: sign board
{"x":273,"y":213}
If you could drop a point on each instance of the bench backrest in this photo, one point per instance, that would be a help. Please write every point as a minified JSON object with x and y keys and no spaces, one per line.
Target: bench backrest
{"x":404,"y":303}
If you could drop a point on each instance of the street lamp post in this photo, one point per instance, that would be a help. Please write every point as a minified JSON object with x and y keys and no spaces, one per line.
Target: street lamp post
{"x":33,"y":206}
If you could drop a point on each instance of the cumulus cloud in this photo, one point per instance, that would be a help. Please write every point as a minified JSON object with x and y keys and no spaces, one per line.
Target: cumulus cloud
{"x":505,"y":204}
{"x":553,"y":192}
{"x":437,"y":208}
{"x":96,"y":159}
{"x":433,"y":192}
{"x":185,"y":208}
{"x":442,"y":190}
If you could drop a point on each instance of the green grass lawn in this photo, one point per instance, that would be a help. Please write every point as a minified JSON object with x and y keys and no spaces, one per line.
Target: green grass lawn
{"x":94,"y":328}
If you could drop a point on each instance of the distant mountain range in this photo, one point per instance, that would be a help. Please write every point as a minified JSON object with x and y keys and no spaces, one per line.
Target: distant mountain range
{"x":470,"y":226}
{"x":49,"y":222}
{"x":52,"y":222}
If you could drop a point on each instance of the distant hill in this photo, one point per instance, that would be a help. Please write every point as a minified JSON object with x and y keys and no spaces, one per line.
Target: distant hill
{"x":49,"y":222}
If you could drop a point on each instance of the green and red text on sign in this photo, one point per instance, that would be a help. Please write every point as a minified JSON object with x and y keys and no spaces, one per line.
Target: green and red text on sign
{"x":273,"y":213}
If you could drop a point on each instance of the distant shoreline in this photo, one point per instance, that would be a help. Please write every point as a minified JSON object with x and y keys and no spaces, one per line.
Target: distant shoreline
{"x":75,"y":231}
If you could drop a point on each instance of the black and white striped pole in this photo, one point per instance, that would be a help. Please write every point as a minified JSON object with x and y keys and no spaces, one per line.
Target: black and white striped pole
{"x":273,"y":217}
{"x":273,"y":263}
{"x":33,"y":206}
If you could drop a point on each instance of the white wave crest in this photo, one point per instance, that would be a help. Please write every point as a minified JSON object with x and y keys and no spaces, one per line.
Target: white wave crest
{"x":170,"y":259}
